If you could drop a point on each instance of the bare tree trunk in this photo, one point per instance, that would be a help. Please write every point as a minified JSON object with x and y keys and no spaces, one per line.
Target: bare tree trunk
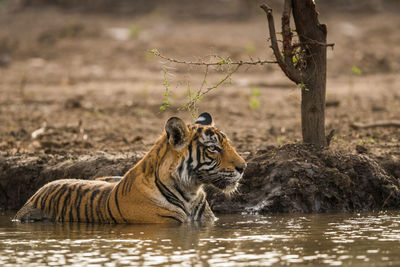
{"x":312,"y":36}
{"x":311,"y":73}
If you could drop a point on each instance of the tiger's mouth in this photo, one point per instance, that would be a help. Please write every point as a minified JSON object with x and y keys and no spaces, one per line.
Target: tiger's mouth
{"x":227,"y":181}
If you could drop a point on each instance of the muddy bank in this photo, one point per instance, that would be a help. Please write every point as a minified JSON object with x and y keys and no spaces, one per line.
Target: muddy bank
{"x":21,"y":176}
{"x":298,"y":178}
{"x":290,"y":179}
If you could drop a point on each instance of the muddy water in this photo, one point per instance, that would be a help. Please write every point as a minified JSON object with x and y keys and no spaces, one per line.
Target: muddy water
{"x":331,"y":239}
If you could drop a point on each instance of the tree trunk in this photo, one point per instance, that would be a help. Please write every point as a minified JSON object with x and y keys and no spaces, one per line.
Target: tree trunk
{"x":312,"y":37}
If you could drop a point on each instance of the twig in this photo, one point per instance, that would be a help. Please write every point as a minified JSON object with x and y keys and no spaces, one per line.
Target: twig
{"x":315,"y":42}
{"x":329,"y":137}
{"x":356,"y":125}
{"x":219,"y":63}
{"x":222,"y":80}
{"x":191,"y":105}
{"x":204,"y":78}
{"x":200,"y":93}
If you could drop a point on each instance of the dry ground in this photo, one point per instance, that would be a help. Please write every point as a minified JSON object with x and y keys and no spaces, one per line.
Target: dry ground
{"x":96,"y":93}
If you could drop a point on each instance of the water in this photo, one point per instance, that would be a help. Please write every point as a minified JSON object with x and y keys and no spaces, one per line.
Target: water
{"x":234,"y":240}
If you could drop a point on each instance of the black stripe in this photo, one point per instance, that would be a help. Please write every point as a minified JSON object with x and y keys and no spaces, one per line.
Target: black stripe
{"x":168,"y":195}
{"x":209,"y":132}
{"x":79,"y":200}
{"x":202,"y":164}
{"x":128,"y":183}
{"x":208,"y":157}
{"x":65,"y":205}
{"x":177,"y":188}
{"x":198,"y":218}
{"x":59,"y":195}
{"x":46,"y":196}
{"x":109,"y":211}
{"x":144,"y":166}
{"x":39,"y":195}
{"x":190,"y":158}
{"x":92,"y":197}
{"x":180,"y":168}
{"x":34,"y":198}
{"x":116,"y":201}
{"x":56,"y":199}
{"x":197,"y":206}
{"x":86,"y":205}
{"x":198,"y":155}
{"x":221,"y":135}
{"x":124,"y":186}
{"x":170,"y":217}
{"x":73,"y":207}
{"x":52,"y":199}
{"x":129,"y":186}
{"x":99,"y":203}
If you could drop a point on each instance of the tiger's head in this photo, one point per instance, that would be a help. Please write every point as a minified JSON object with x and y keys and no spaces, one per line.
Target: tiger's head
{"x":205,"y":154}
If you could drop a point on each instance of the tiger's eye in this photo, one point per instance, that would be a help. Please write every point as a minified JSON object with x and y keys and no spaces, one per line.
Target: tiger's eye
{"x":213,"y":149}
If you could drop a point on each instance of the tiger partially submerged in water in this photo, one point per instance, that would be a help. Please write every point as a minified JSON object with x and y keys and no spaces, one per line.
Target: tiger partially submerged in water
{"x":165,"y":186}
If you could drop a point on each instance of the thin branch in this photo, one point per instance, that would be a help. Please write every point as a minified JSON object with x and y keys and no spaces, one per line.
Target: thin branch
{"x":192,"y":103}
{"x":356,"y":125}
{"x":291,"y":72}
{"x":287,"y":34}
{"x":223,"y":79}
{"x":315,"y":42}
{"x":204,"y":78}
{"x":219,"y":63}
{"x":329,"y":137}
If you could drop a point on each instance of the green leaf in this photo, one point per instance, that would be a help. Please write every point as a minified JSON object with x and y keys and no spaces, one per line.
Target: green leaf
{"x":356,"y":70}
{"x":256,"y":92}
{"x":155,"y":51}
{"x":294,"y":59}
{"x":255,"y":99}
{"x":134,"y":31}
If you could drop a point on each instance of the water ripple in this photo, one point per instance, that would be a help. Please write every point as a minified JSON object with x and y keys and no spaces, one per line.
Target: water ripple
{"x":235,"y":240}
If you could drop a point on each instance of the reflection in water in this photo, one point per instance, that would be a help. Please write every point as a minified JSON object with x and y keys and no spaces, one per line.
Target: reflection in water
{"x":331,"y":239}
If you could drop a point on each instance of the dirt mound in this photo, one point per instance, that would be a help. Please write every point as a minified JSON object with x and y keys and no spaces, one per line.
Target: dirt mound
{"x":292,"y":178}
{"x":298,"y":178}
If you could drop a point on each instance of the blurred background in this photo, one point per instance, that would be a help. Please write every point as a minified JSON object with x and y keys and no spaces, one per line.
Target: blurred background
{"x":77,"y":76}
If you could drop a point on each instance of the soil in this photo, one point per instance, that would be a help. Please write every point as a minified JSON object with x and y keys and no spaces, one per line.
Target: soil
{"x":81,"y":96}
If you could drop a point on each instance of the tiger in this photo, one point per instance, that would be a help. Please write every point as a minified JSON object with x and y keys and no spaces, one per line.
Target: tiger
{"x":165,"y":186}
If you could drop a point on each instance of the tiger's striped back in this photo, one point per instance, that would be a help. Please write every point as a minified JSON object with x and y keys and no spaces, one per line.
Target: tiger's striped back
{"x":69,"y":200}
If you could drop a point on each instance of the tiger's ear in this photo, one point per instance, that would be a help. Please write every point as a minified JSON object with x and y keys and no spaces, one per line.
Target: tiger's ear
{"x":177,"y":132}
{"x":205,"y":119}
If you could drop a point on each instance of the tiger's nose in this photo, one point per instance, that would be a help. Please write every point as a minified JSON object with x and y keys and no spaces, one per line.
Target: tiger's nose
{"x":241,"y":168}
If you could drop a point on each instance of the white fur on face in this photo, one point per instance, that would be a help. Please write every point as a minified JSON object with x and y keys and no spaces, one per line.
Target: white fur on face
{"x":210,"y":139}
